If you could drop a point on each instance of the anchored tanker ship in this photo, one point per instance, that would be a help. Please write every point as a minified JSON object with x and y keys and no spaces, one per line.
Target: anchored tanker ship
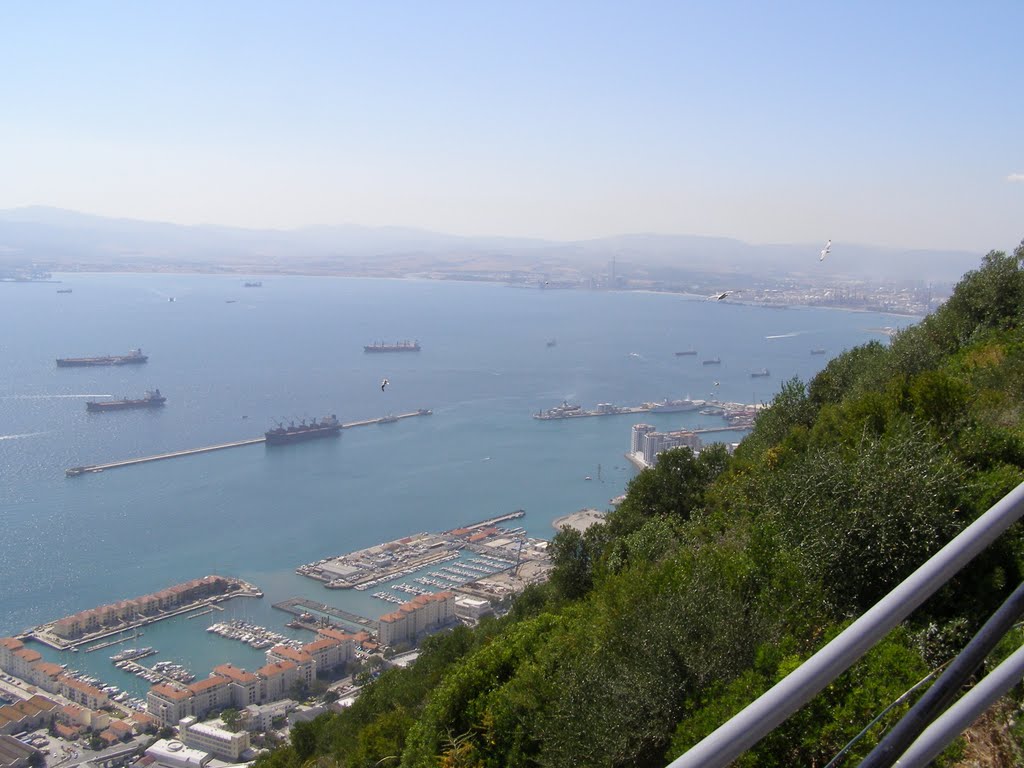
{"x":135,"y":356}
{"x":401,"y":346}
{"x":153,"y":399}
{"x":329,"y":426}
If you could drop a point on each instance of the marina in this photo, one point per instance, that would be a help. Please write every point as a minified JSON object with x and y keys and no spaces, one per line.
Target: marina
{"x":384,"y":562}
{"x":94,"y":468}
{"x":251,"y":634}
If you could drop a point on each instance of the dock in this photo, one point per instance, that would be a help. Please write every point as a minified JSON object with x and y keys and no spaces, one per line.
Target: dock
{"x":94,"y":468}
{"x":299,"y":605}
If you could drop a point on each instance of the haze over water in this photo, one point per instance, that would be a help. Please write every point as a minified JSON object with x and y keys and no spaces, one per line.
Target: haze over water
{"x":294,"y":349}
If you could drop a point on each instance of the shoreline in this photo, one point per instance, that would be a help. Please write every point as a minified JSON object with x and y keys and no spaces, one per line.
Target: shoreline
{"x":215,"y":271}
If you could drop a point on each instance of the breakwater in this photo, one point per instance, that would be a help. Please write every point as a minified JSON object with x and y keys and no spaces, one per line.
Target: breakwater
{"x":95,"y":468}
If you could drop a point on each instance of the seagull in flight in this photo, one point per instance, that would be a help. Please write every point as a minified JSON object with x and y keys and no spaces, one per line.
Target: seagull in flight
{"x":720,"y":296}
{"x":825,"y":251}
{"x":383,"y":384}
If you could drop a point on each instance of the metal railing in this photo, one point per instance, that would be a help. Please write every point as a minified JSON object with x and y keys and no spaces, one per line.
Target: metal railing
{"x":773,"y":707}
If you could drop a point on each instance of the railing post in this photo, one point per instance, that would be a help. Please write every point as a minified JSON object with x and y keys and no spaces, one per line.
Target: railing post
{"x":773,"y":707}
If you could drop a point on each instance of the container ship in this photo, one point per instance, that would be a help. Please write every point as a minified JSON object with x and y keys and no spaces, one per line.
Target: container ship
{"x":401,"y":346}
{"x":328,"y":426}
{"x":153,"y":399}
{"x":135,"y":356}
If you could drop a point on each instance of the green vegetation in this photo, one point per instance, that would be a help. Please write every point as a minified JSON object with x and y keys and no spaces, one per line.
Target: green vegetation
{"x":718,"y":575}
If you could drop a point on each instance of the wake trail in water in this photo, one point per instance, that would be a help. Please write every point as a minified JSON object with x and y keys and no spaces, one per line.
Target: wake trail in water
{"x":787,"y":335}
{"x":25,"y":434}
{"x":48,"y":397}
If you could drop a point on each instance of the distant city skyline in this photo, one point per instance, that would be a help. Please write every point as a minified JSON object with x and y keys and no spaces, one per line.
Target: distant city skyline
{"x":891,"y":125}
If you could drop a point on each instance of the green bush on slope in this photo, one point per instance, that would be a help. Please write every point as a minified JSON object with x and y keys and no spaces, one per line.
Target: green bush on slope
{"x":717,"y":574}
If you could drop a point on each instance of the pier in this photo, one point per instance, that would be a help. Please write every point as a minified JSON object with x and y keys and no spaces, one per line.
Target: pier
{"x":94,"y":468}
{"x":299,"y":605}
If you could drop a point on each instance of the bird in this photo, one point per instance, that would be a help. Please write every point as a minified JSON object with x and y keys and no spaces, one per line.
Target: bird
{"x":720,"y":296}
{"x":383,"y":384}
{"x":825,"y":251}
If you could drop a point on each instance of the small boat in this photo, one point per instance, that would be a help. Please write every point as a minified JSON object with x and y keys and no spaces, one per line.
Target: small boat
{"x":552,"y":342}
{"x":587,"y":477}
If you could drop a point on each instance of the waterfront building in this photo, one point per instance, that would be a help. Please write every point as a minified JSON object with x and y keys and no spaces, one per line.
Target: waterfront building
{"x":305,"y":667}
{"x":168,"y":703}
{"x":657,"y":442}
{"x":637,"y":442}
{"x":127,"y":611}
{"x":209,"y":738}
{"x":392,"y":628}
{"x":16,"y":659}
{"x":82,"y":693}
{"x":329,"y":652}
{"x":422,"y":614}
{"x":46,"y":675}
{"x":171,"y":753}
{"x":210,"y":694}
{"x":276,"y":679}
{"x":244,"y":686}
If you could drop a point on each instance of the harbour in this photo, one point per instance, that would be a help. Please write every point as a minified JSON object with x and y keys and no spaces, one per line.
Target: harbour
{"x":94,"y":468}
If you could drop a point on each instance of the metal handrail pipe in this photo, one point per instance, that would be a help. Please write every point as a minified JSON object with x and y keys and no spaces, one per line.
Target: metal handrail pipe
{"x":934,"y":702}
{"x":965,"y":711}
{"x":773,"y":707}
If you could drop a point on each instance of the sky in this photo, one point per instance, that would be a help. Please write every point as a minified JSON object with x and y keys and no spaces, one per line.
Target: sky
{"x":897,"y":124}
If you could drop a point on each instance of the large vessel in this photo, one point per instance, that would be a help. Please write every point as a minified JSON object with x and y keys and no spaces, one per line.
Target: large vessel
{"x":762,"y":372}
{"x":686,"y":352}
{"x":674,"y":406}
{"x":153,"y":399}
{"x":713,"y":361}
{"x":817,"y":351}
{"x":135,"y":356}
{"x":328,"y":426}
{"x":400,"y":346}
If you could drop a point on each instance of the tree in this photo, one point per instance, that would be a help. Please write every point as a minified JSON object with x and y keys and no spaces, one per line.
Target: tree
{"x":231,"y":719}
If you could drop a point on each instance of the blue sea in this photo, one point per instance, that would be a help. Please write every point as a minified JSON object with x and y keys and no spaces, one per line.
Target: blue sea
{"x":233,"y":361}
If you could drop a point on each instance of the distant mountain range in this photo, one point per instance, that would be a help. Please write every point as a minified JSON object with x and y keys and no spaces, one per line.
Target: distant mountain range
{"x":60,"y":239}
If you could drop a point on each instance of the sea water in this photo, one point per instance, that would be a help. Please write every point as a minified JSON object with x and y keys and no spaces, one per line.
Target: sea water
{"x":234,"y":361}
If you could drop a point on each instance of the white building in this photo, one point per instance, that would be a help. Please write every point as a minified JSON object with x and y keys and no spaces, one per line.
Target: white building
{"x":260,"y":717}
{"x":217,"y":741}
{"x":637,"y":442}
{"x":472,"y":609}
{"x":171,"y":753}
{"x":658,"y":442}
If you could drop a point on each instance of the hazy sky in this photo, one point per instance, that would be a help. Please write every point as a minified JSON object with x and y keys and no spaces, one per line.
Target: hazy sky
{"x":894,"y":123}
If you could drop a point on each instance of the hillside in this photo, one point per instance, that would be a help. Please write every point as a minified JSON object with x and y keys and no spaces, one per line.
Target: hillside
{"x":717,"y":575}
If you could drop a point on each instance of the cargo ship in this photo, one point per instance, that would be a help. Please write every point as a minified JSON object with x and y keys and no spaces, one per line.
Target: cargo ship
{"x":400,"y":346}
{"x":686,"y":352}
{"x":762,"y":372}
{"x":135,"y":356}
{"x":153,"y":399}
{"x":713,"y":361}
{"x":328,"y":426}
{"x":817,"y":351}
